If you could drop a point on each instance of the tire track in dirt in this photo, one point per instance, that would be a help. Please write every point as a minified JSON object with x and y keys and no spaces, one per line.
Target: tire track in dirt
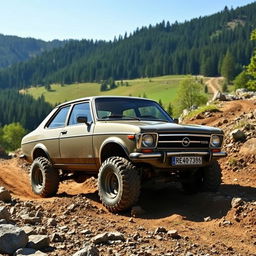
{"x":213,"y":84}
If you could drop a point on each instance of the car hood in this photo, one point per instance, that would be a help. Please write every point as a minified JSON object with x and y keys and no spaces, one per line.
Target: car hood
{"x":162,"y":127}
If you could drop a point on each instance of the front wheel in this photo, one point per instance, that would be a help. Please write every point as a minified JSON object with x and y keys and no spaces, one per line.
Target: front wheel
{"x":44,"y":177}
{"x":118,"y":184}
{"x":206,"y":178}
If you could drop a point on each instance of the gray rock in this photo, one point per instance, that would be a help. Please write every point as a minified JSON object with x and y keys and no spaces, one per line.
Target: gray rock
{"x":236,"y":201}
{"x":11,"y":238}
{"x":30,"y":219}
{"x":249,"y":147}
{"x":241,"y":91}
{"x":3,"y":221}
{"x":51,"y":222}
{"x":173,"y":234}
{"x":254,"y":113}
{"x":56,"y":238}
{"x":108,"y":236}
{"x":160,"y":230}
{"x":89,"y":250}
{"x":238,"y":135}
{"x":29,"y":251}
{"x":219,"y":96}
{"x":28,"y":230}
{"x":38,"y":241}
{"x":5,"y":195}
{"x":4,"y":213}
{"x":206,"y":219}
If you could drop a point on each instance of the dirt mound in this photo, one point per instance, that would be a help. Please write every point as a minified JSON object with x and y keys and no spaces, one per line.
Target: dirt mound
{"x":15,"y":179}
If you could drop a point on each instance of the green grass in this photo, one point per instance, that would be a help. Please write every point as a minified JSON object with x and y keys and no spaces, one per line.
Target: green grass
{"x":164,"y":88}
{"x":202,"y":109}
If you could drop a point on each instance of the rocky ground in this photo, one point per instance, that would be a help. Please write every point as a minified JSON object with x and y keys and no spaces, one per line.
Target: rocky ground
{"x":166,"y":222}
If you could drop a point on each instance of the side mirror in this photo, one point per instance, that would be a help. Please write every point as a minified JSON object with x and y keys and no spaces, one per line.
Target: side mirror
{"x":82,"y":119}
{"x":176,"y":120}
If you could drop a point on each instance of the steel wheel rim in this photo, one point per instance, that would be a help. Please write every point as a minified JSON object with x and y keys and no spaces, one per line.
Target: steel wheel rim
{"x":38,"y":178}
{"x":111,"y":184}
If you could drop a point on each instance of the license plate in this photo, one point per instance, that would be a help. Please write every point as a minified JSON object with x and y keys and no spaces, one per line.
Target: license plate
{"x":187,"y":160}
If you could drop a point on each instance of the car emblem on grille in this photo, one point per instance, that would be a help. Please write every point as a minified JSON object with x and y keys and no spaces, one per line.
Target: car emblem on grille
{"x":185,"y":142}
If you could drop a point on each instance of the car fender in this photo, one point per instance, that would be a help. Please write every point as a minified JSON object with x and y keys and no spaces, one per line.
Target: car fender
{"x":115,"y":140}
{"x":42,"y":147}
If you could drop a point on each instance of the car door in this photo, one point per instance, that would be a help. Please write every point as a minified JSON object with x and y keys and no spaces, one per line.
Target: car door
{"x":52,"y":133}
{"x":76,"y":139}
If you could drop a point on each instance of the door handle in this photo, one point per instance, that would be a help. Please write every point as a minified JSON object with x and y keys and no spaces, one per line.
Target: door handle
{"x":64,"y":132}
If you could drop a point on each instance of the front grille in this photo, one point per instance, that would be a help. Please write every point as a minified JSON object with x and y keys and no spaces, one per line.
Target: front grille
{"x":183,"y":141}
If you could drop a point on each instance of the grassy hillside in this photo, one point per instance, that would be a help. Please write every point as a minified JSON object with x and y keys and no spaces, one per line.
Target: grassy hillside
{"x":156,"y":88}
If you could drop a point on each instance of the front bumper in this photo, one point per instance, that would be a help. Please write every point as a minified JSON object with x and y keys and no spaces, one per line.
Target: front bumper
{"x":162,"y":155}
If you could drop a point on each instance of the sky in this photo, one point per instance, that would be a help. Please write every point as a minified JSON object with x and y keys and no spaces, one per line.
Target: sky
{"x":98,"y":19}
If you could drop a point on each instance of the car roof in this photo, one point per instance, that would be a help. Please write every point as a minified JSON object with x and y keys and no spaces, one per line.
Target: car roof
{"x":99,"y":97}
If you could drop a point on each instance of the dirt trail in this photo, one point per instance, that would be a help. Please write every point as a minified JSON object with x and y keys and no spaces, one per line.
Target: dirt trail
{"x":168,"y":207}
{"x":213,"y":84}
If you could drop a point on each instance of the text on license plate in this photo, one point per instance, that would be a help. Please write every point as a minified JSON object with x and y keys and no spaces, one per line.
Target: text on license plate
{"x":187,"y":160}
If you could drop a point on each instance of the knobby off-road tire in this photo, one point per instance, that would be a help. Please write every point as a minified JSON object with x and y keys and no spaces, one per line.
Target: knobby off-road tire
{"x":118,"y":184}
{"x":206,"y":178}
{"x":44,"y":178}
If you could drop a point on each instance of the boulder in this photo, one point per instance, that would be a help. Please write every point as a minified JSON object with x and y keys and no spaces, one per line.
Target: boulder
{"x":11,"y":238}
{"x":38,"y":241}
{"x":240,"y":91}
{"x":249,"y":147}
{"x":89,"y":250}
{"x":29,"y":251}
{"x":4,"y":213}
{"x":51,"y":222}
{"x":173,"y":234}
{"x":108,"y":236}
{"x":219,"y":96}
{"x":160,"y":230}
{"x":238,"y":135}
{"x":30,"y":219}
{"x":236,"y":201}
{"x":5,"y":195}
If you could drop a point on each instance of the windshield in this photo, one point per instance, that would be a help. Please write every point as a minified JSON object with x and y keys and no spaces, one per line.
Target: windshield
{"x":130,"y":109}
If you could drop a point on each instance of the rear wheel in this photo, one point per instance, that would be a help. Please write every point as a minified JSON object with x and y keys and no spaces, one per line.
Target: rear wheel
{"x":44,"y":178}
{"x":206,"y":178}
{"x":118,"y":184}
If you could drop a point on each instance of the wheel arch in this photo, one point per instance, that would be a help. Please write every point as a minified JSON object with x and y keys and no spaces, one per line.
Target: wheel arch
{"x":113,"y":147}
{"x":40,"y":150}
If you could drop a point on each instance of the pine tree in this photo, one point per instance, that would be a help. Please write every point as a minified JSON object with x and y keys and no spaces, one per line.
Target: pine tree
{"x":228,"y":67}
{"x":251,"y":68}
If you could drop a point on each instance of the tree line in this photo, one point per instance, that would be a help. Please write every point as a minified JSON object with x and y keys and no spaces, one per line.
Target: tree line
{"x":24,"y":109}
{"x":15,"y":49}
{"x":199,"y":46}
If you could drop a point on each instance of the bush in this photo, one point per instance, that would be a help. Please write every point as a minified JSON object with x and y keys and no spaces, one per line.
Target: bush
{"x":241,"y":80}
{"x":190,"y":92}
{"x":11,"y":135}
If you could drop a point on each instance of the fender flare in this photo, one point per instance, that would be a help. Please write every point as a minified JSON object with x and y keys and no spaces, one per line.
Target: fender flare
{"x":42,"y":147}
{"x":115,"y":140}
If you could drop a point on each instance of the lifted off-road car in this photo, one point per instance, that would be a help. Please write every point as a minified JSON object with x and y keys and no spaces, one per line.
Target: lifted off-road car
{"x":125,"y":141}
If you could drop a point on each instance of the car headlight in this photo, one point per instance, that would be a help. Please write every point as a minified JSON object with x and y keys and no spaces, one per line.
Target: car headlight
{"x":148,"y":140}
{"x":215,"y":141}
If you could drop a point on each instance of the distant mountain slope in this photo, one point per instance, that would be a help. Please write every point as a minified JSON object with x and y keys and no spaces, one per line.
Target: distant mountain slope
{"x":14,"y":49}
{"x":193,"y":47}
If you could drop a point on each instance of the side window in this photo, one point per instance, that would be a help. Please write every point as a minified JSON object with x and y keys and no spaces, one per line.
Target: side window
{"x":82,"y":109}
{"x":60,"y":118}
